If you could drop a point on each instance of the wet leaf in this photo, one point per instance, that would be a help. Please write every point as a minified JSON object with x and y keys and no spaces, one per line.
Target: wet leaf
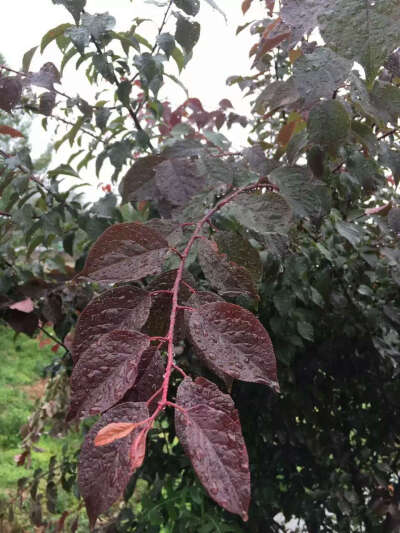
{"x":121,"y":308}
{"x":108,"y":467}
{"x":125,"y":252}
{"x":190,"y":7}
{"x":105,"y":372}
{"x":187,"y":33}
{"x":328,"y":124}
{"x":7,"y":130}
{"x":307,"y":196}
{"x":228,"y":278}
{"x":377,"y":35}
{"x":319,"y":74}
{"x":231,"y":339}
{"x":138,"y":183}
{"x":211,"y":435}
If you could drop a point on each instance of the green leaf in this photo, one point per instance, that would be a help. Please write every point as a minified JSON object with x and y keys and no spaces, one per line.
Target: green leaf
{"x":179,"y":58}
{"x":166,"y":42}
{"x":187,"y":33}
{"x":66,"y":170}
{"x":328,"y":124}
{"x":351,"y":232}
{"x":75,"y":7}
{"x":306,"y":330}
{"x":362,"y":30}
{"x":124,"y":91}
{"x":52,"y":35}
{"x":27,"y":59}
{"x":277,"y":95}
{"x":261,"y":214}
{"x":307,"y":196}
{"x":104,"y":67}
{"x":190,"y":7}
{"x":102,"y":115}
{"x":319,"y":74}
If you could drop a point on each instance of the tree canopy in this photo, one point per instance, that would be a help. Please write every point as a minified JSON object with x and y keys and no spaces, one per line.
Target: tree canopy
{"x":225,"y":322}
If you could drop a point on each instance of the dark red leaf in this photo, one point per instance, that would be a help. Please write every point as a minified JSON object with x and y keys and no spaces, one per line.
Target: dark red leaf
{"x":104,"y":471}
{"x":6,"y":130}
{"x":125,"y":252}
{"x":228,"y":278}
{"x":201,"y":298}
{"x":177,"y":181}
{"x":158,"y":323}
{"x":10,"y":93}
{"x":138,"y":183}
{"x":22,"y":322}
{"x":105,"y":372}
{"x":121,"y":308}
{"x":230,"y":338}
{"x":150,"y":377}
{"x":211,"y":436}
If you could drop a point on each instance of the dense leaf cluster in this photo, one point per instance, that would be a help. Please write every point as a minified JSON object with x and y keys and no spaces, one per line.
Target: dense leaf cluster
{"x":177,"y":284}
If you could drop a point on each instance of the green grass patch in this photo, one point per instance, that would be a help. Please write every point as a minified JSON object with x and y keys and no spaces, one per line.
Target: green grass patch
{"x":22,"y":365}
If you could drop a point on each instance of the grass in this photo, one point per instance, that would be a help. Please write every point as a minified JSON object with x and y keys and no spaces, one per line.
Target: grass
{"x":21,"y":386}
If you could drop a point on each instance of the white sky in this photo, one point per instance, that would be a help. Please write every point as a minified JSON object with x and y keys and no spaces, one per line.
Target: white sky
{"x":218,"y":55}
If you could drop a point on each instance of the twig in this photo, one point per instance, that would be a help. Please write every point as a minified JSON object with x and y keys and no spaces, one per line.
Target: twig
{"x":53,"y":338}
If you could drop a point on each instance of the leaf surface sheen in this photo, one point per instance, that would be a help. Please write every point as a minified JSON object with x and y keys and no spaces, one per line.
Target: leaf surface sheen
{"x":230,"y":339}
{"x":105,"y":372}
{"x":229,"y":278}
{"x":125,"y":308}
{"x":210,"y":434}
{"x":104,"y":471}
{"x":125,"y":252}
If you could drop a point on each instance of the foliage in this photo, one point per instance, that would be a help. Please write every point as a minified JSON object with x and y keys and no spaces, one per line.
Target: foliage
{"x":216,"y":267}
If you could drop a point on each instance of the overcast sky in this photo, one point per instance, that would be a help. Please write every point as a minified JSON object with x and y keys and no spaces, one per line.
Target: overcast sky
{"x":218,"y":55}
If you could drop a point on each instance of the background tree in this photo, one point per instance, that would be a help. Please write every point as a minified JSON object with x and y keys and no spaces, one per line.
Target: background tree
{"x":300,"y":229}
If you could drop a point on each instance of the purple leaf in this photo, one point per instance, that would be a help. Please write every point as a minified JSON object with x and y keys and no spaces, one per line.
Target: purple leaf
{"x":125,"y":252}
{"x":230,"y":339}
{"x":177,"y":182}
{"x":228,"y":278}
{"x":104,"y":471}
{"x":138,"y":183}
{"x":149,"y":378}
{"x":211,"y":435}
{"x":105,"y":372}
{"x":10,"y":93}
{"x":125,"y":308}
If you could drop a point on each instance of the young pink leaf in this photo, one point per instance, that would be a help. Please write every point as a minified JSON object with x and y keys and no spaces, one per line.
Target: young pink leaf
{"x":105,"y":372}
{"x":211,"y":435}
{"x":125,"y":252}
{"x":381,"y":210}
{"x":26,"y":306}
{"x":114,"y":431}
{"x":120,"y":308}
{"x":230,"y":339}
{"x":104,"y":471}
{"x":138,"y":448}
{"x":230,"y":279}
